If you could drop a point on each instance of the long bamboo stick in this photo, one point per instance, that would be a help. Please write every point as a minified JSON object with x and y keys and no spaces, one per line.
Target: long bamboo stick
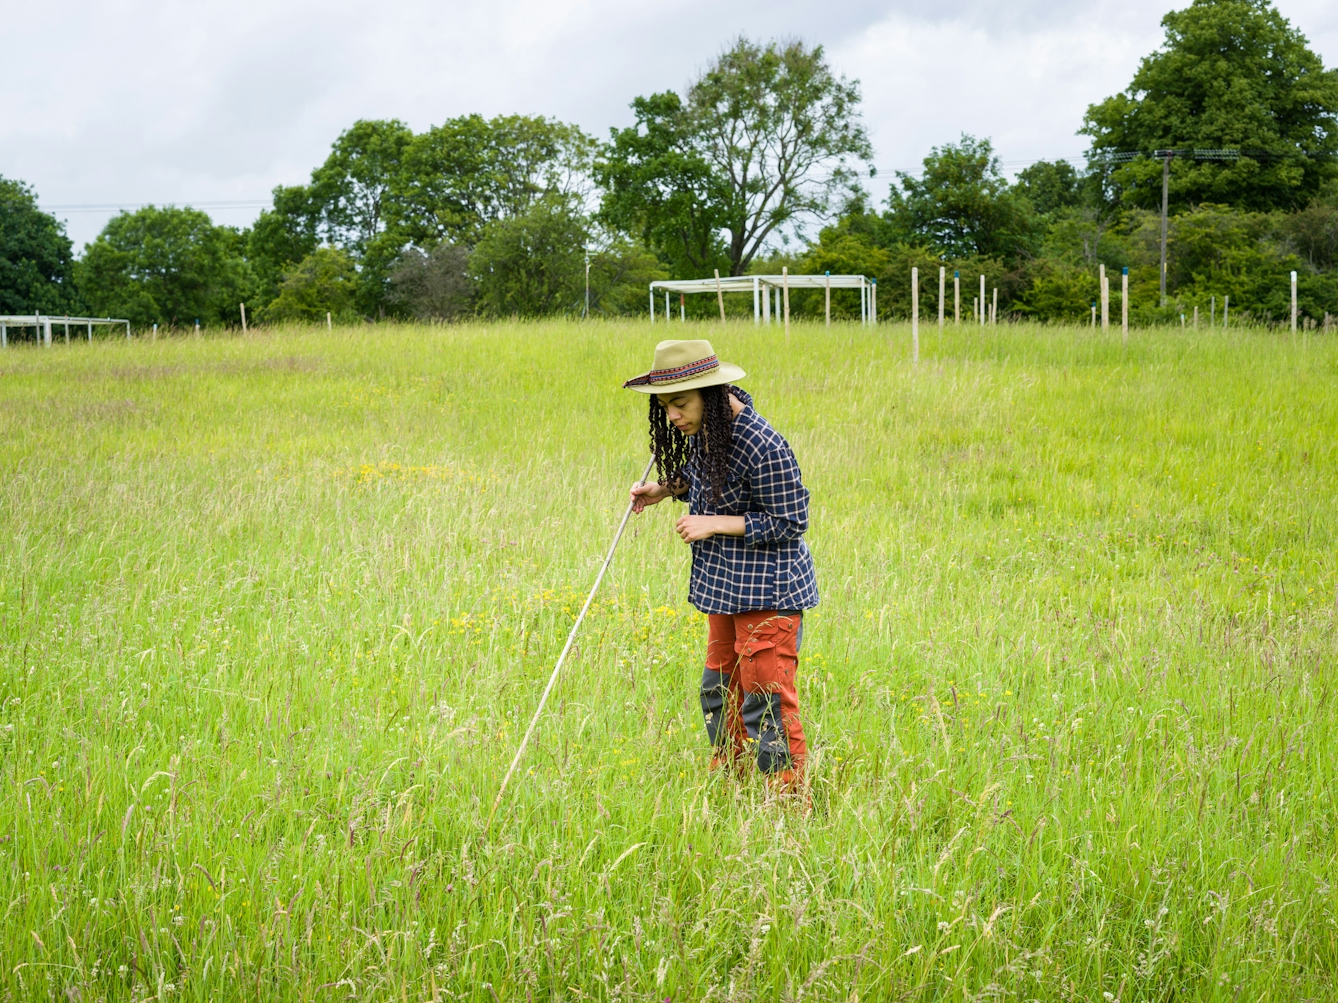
{"x":565,"y":649}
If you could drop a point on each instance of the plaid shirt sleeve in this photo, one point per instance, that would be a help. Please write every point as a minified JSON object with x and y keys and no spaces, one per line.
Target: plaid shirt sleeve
{"x":780,"y":495}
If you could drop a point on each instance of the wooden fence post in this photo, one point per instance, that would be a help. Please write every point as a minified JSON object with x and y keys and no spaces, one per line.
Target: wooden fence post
{"x":155,"y":327}
{"x":829,"y":299}
{"x":982,"y":301}
{"x":994,"y":308}
{"x":956,"y":298}
{"x":785,"y":296}
{"x":942,"y":288}
{"x":719,"y":295}
{"x":1124,"y":304}
{"x":915,"y":314}
{"x":1226,"y":310}
{"x":1293,"y":302}
{"x":1105,"y":301}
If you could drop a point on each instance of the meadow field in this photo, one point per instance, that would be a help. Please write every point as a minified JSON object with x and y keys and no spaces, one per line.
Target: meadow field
{"x":275,"y":609}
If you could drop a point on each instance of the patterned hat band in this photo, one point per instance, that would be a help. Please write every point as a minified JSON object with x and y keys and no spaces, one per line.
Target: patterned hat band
{"x":664,"y":377}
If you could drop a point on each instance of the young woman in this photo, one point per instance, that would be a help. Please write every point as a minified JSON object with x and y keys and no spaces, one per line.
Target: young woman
{"x":752,"y":574}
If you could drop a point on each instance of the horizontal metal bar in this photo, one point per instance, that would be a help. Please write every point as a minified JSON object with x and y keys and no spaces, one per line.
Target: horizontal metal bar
{"x":41,"y":318}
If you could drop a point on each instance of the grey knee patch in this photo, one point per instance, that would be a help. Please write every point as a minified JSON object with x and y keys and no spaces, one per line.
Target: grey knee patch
{"x":762,"y":717}
{"x":714,"y":695}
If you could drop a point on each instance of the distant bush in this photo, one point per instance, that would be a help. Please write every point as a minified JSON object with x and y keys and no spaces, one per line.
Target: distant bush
{"x":432,"y":285}
{"x":325,"y":281}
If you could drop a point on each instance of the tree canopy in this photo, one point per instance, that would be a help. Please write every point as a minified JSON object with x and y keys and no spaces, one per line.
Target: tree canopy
{"x":166,"y":265}
{"x":36,"y":258}
{"x":961,"y":204}
{"x":1232,"y":74}
{"x":765,"y":139}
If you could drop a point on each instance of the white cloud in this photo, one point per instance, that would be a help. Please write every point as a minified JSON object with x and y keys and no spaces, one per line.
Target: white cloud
{"x":204,"y":102}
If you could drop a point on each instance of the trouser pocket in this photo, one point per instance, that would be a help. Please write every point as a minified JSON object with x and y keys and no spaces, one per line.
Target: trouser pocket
{"x":768,"y":659}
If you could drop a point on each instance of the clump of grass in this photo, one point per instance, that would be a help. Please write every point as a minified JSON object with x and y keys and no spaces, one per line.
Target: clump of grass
{"x":275,"y":610}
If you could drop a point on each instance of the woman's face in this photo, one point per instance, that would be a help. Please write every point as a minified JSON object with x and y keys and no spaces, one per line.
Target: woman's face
{"x":683,"y":409}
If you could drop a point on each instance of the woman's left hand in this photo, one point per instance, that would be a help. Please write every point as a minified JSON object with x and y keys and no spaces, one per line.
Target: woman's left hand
{"x":702,"y":527}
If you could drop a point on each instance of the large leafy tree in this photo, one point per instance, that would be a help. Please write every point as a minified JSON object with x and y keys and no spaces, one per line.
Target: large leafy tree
{"x":164,"y":265}
{"x":280,"y":238}
{"x":765,"y":139}
{"x":36,"y":263}
{"x":962,"y":205}
{"x":1232,"y":74}
{"x":659,"y":184}
{"x":1052,"y":185}
{"x":351,"y":190}
{"x":458,"y":177}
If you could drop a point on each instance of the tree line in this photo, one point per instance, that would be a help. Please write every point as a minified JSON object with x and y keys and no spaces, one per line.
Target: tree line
{"x":509,"y":216}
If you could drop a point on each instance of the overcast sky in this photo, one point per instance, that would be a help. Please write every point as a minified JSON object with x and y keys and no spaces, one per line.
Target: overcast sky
{"x":123,"y":102}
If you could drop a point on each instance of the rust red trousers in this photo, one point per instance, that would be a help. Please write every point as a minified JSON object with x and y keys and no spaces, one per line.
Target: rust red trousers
{"x":748,"y":689}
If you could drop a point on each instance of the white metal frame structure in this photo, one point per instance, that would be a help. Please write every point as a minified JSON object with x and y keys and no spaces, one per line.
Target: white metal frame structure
{"x":764,"y":288}
{"x":43,"y":324}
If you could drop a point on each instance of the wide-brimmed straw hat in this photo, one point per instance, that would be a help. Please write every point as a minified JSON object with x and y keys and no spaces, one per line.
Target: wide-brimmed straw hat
{"x":684,"y":365}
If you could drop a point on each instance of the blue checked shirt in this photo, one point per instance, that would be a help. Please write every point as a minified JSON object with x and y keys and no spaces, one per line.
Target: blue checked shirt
{"x":769,"y":567}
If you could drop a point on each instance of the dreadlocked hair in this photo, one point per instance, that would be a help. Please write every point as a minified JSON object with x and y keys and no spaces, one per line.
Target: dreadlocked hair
{"x":709,"y":448}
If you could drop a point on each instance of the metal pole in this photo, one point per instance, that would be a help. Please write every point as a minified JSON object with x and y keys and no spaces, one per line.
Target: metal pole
{"x":757,"y":307}
{"x":956,"y":298}
{"x":90,"y":332}
{"x":1165,"y":201}
{"x":567,"y":647}
{"x":127,"y":330}
{"x":67,"y":316}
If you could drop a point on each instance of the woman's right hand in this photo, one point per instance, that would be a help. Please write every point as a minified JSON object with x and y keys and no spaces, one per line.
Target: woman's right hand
{"x":647,"y":494}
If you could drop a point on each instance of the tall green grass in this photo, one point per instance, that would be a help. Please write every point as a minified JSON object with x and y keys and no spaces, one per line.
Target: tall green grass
{"x":276,"y":609}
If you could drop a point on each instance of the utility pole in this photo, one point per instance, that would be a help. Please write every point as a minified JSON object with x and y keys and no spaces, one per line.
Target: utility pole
{"x":1166,"y":156}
